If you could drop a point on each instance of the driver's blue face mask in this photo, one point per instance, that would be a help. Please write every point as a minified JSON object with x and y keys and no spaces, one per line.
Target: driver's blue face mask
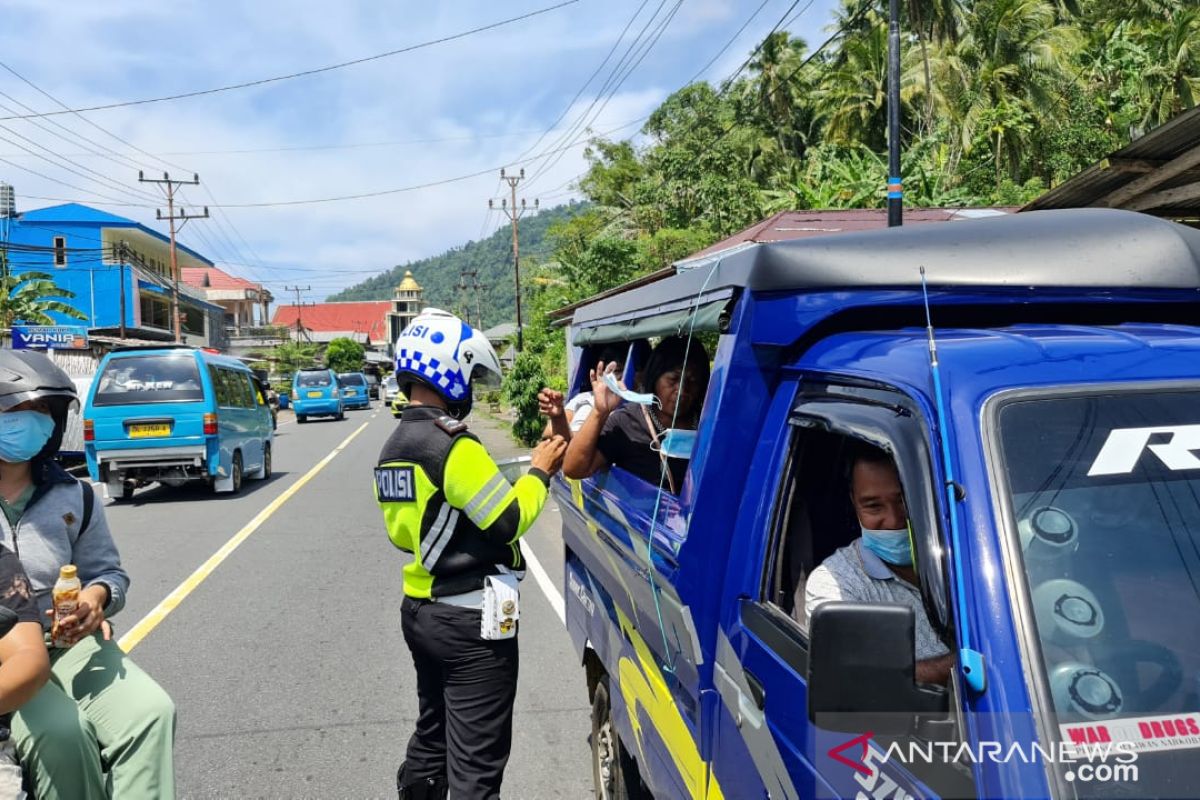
{"x":629,"y":396}
{"x":23,"y":434}
{"x":677,"y":443}
{"x":892,"y":546}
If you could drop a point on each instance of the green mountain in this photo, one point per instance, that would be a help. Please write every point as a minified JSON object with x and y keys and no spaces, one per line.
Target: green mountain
{"x":440,"y":275}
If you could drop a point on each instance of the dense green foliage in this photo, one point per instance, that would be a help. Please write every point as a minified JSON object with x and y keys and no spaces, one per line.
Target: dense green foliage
{"x":344,"y":355}
{"x":440,"y":275}
{"x":1001,"y":99}
{"x":31,"y":296}
{"x":521,"y":387}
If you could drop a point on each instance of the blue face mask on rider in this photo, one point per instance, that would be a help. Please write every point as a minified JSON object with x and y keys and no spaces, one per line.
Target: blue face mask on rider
{"x":23,"y":434}
{"x":892,"y":546}
{"x":677,"y":443}
{"x":629,"y":396}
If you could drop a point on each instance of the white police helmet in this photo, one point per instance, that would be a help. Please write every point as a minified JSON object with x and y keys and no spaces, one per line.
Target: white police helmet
{"x":446,"y":354}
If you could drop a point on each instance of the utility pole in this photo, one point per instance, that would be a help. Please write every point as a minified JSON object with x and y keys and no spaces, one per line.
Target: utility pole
{"x":895,"y":189}
{"x":473,"y":274}
{"x":514,"y":213}
{"x":122,"y":256}
{"x":463,"y":304}
{"x":299,"y":305}
{"x":169,"y":187}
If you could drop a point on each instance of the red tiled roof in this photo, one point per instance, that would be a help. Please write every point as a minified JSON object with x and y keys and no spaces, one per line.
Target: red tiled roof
{"x":217,"y":279}
{"x":366,"y":316}
{"x":787,"y":225}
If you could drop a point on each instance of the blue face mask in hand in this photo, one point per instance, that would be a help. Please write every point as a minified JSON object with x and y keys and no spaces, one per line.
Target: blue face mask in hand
{"x":677,"y":443}
{"x":23,"y":434}
{"x":640,"y":398}
{"x":893,"y":546}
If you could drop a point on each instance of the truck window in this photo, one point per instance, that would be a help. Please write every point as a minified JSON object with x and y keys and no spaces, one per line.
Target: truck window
{"x":311,"y":379}
{"x":1104,"y":490}
{"x":149,"y":379}
{"x":815,"y":518}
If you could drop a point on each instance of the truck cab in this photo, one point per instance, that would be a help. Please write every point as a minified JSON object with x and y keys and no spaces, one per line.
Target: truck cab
{"x":1041,"y":405}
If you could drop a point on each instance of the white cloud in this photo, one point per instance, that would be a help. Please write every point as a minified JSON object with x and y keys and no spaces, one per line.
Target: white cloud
{"x":517,"y":78}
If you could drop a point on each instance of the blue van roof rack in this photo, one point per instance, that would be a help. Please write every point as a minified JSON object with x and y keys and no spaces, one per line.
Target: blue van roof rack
{"x":1086,"y":249}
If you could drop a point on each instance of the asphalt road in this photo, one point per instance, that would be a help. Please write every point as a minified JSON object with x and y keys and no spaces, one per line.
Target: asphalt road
{"x":287,"y":663}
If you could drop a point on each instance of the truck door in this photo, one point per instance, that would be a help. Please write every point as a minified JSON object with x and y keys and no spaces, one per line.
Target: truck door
{"x":802,"y":517}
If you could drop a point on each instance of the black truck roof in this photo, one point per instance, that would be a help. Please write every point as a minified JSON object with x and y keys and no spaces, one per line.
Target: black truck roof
{"x":1063,"y":249}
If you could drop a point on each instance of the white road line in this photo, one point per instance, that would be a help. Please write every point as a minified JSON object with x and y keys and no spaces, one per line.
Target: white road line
{"x":168,"y":604}
{"x":547,"y":586}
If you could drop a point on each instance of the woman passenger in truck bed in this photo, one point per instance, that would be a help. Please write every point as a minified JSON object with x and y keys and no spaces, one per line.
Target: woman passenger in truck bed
{"x":630,"y":436}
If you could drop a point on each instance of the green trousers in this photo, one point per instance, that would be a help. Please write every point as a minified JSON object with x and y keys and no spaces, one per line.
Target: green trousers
{"x":99,"y":728}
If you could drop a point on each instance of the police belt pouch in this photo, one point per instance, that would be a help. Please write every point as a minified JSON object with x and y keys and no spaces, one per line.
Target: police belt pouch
{"x":501,"y":607}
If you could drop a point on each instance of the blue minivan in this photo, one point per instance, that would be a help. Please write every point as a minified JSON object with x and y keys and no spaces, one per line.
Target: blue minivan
{"x":315,"y":393}
{"x":355,"y":389}
{"x":175,"y":414}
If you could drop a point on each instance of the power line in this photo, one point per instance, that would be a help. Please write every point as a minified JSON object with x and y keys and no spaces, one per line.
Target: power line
{"x":104,"y":180}
{"x":728,"y":82}
{"x":608,"y":89}
{"x":311,"y":201}
{"x":43,"y":176}
{"x":121,"y":160}
{"x":548,"y":165}
{"x":402,"y":189}
{"x":729,"y":43}
{"x":299,"y":148}
{"x":591,"y":78}
{"x":293,"y":75}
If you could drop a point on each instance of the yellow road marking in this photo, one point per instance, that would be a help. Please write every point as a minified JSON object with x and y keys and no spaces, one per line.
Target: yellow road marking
{"x":149,"y":622}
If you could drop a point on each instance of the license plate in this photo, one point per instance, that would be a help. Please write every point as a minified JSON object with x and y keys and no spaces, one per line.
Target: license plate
{"x":314,"y":394}
{"x":149,"y":431}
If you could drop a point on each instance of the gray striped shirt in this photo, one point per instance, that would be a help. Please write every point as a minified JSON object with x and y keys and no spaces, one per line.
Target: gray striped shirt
{"x":857,"y":575}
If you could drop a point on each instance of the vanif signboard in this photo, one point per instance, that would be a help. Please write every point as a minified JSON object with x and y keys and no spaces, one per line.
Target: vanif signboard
{"x":56,"y":337}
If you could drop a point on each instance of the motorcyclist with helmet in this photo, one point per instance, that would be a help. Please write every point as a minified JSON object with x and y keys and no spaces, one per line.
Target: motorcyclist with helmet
{"x":100,"y":713}
{"x":445,"y":501}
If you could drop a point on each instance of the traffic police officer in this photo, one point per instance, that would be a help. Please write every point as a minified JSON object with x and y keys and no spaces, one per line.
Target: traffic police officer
{"x":445,"y":501}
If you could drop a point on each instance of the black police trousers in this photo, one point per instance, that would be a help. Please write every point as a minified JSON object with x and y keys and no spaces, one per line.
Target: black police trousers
{"x":466,"y":686}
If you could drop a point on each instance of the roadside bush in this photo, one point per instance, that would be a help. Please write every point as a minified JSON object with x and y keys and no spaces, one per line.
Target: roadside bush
{"x":521,"y":387}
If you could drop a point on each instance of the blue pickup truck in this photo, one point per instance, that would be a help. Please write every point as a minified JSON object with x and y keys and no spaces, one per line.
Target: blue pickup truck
{"x":1050,"y":465}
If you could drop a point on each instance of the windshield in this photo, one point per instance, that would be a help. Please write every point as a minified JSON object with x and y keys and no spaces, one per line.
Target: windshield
{"x":351,"y":379}
{"x":149,"y":379}
{"x":314,"y":378}
{"x":1105,"y":492}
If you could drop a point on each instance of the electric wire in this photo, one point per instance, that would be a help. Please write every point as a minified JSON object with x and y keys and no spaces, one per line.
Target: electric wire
{"x":109,"y":184}
{"x":602,"y":92}
{"x":591,"y":78}
{"x":630,"y":60}
{"x":69,"y":135}
{"x":293,"y":75}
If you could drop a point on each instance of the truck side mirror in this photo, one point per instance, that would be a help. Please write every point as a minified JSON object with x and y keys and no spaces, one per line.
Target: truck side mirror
{"x":862,"y":671}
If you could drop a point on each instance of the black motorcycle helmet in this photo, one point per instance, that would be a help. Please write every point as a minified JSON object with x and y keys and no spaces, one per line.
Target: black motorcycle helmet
{"x":28,"y":375}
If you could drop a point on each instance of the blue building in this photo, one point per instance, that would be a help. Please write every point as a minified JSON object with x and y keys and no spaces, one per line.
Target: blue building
{"x":114,"y":266}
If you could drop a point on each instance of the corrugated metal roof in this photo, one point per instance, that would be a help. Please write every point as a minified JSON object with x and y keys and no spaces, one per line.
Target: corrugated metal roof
{"x":1175,"y":141}
{"x":362,"y":317}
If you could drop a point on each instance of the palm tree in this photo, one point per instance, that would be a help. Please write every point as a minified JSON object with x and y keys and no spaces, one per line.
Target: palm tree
{"x":31,"y":297}
{"x":852,"y":94}
{"x":775,"y":94}
{"x":1172,"y":81}
{"x":1000,"y":77}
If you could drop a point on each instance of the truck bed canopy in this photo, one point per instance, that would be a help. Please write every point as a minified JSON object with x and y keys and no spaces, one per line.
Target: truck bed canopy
{"x":1086,"y":249}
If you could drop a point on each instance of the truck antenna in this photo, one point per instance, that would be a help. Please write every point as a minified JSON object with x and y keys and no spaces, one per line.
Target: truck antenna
{"x":970,"y":661}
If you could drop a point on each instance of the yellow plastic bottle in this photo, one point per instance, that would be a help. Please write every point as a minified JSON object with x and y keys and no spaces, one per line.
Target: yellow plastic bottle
{"x":66,"y":599}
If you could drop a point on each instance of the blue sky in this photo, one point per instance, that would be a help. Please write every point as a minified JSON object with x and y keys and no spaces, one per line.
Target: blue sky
{"x":436,"y":113}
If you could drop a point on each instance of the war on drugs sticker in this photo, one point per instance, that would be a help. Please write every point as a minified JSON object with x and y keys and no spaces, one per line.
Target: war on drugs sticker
{"x":1136,"y":734}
